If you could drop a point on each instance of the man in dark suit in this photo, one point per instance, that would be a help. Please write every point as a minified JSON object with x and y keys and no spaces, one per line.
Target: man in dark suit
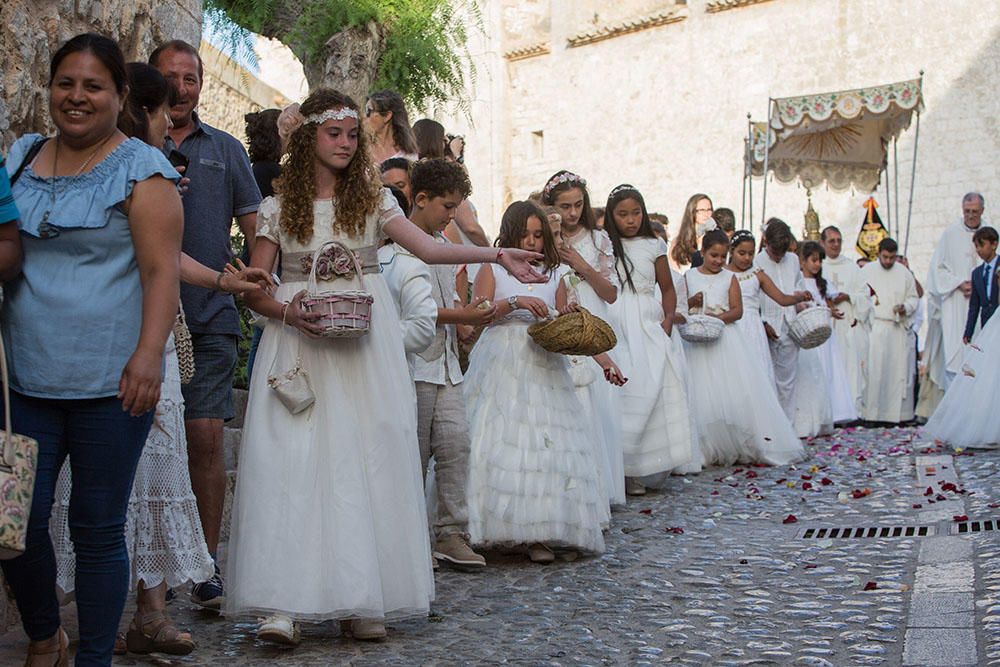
{"x":985,"y":288}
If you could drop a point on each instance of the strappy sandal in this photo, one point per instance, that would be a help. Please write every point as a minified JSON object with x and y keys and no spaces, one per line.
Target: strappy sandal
{"x":60,"y":650}
{"x":154,"y":632}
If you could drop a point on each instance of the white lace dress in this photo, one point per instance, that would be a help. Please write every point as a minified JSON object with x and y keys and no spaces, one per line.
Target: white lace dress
{"x":656,"y":426}
{"x":736,"y":406}
{"x":600,"y":398}
{"x":329,"y":519}
{"x":533,"y":472}
{"x":162,"y":529}
{"x":751,"y":323}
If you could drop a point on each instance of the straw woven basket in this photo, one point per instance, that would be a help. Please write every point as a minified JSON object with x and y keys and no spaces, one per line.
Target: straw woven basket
{"x":811,"y":327}
{"x":577,"y":333}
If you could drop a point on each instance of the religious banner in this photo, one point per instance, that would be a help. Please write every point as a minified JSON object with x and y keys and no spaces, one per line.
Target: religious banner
{"x":872,"y":232}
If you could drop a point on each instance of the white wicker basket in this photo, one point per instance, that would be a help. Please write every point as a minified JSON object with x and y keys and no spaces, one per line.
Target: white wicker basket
{"x":345,"y":313}
{"x":701,"y":329}
{"x":811,"y":327}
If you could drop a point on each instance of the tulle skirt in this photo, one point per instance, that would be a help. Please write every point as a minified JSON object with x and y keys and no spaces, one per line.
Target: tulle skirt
{"x":533,"y":474}
{"x":969,"y":413}
{"x":813,"y":407}
{"x":736,"y":407}
{"x":329,"y":519}
{"x":656,"y":420}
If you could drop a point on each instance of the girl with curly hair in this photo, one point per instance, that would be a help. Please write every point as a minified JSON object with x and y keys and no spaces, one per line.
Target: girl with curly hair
{"x":328,"y":518}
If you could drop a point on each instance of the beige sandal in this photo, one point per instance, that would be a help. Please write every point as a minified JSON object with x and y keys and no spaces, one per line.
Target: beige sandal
{"x":60,"y":650}
{"x":154,"y":632}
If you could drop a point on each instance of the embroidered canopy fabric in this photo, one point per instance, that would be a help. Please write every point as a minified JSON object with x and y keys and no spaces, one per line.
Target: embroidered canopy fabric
{"x":835,"y":138}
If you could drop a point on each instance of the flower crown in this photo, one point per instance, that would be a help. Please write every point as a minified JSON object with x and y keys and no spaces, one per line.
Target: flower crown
{"x":559,"y":179}
{"x":741,"y":236}
{"x":292,"y":119}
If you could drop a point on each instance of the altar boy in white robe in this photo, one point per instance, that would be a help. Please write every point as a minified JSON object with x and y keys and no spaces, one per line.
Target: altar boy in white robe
{"x":842,"y":272}
{"x":782,"y":267}
{"x":888,"y":396}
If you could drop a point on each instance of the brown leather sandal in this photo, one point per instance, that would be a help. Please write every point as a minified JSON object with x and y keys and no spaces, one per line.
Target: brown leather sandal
{"x":154,"y":632}
{"x":60,"y":650}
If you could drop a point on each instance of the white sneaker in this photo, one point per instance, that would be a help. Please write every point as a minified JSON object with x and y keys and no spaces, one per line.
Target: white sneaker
{"x":279,"y":629}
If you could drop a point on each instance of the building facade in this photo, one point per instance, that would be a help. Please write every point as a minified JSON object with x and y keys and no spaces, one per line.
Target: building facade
{"x":656,"y":93}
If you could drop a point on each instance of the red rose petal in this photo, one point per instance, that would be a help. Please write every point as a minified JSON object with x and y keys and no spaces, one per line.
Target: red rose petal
{"x":646,"y":511}
{"x":959,"y":517}
{"x":826,"y":481}
{"x":791,"y":518}
{"x":871,"y":586}
{"x":806,"y":486}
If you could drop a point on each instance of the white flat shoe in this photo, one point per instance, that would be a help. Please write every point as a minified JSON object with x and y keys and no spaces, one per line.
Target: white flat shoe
{"x":368,"y":629}
{"x":279,"y":629}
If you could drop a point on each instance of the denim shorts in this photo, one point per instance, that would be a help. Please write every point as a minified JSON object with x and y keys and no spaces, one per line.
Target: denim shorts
{"x":209,"y":395}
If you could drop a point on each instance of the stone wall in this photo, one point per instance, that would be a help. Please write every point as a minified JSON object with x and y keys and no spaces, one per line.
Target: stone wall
{"x":31,"y":30}
{"x":230,"y":91}
{"x":658,"y":96}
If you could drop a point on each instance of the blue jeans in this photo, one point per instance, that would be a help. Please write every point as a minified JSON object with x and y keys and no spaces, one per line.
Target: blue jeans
{"x":103,"y":444}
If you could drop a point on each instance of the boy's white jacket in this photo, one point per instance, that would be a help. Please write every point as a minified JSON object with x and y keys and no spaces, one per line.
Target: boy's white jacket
{"x":409,"y":281}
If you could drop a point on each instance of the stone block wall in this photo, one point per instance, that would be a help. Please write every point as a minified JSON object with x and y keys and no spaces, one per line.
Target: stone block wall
{"x":32,"y":30}
{"x":660,"y":100}
{"x":230,"y":91}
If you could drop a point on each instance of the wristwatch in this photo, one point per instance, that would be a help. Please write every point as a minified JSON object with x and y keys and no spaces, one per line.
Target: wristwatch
{"x":512,"y":302}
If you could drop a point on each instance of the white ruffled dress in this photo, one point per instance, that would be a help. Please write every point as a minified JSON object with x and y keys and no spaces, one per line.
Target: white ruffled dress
{"x":736,"y":406}
{"x":329,"y":519}
{"x":656,"y":421}
{"x":600,"y":398}
{"x":533,"y":472}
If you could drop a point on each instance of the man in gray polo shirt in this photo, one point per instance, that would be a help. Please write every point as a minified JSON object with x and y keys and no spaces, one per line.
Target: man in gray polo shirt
{"x":222,"y":187}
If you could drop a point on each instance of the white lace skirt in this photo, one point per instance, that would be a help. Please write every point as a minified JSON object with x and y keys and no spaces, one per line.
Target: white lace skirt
{"x":162,"y":529}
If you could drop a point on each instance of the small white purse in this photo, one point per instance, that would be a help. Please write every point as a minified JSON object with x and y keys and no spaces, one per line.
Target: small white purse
{"x":292,"y":386}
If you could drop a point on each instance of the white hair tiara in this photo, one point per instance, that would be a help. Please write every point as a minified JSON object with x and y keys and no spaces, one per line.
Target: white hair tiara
{"x":332,"y":114}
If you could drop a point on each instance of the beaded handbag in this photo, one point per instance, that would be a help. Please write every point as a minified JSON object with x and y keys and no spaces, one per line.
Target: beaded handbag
{"x":184,"y":348}
{"x":18,"y":460}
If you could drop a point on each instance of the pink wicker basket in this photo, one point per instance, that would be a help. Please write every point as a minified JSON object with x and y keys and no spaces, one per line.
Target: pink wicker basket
{"x":345,"y":313}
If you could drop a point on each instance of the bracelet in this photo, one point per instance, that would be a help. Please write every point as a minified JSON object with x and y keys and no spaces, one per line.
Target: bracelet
{"x":284,"y":311}
{"x":218,"y":282}
{"x":499,"y":255}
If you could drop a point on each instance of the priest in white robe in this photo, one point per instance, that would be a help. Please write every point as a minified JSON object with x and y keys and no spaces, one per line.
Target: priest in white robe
{"x":888,"y":395}
{"x":782,"y":267}
{"x":842,"y":273}
{"x":949,"y":285}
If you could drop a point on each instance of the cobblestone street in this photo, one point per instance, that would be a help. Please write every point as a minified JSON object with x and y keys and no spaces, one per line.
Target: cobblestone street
{"x":714,"y":569}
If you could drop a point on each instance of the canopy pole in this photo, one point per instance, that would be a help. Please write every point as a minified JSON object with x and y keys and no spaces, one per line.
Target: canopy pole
{"x":747,"y":173}
{"x":913,"y":178}
{"x":888,"y":200}
{"x":895,"y":175}
{"x":913,"y":170}
{"x":767,"y":151}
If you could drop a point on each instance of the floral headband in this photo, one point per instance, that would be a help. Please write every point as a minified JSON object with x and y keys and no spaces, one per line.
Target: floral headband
{"x":622,"y":188}
{"x":566,"y":177}
{"x":741,"y":236}
{"x":291,"y":119}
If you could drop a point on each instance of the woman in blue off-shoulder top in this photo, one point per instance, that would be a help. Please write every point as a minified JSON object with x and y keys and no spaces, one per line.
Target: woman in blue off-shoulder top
{"x":86,"y":323}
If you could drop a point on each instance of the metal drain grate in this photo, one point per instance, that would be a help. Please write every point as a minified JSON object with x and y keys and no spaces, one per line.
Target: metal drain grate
{"x":966,"y":527}
{"x":867,"y":532}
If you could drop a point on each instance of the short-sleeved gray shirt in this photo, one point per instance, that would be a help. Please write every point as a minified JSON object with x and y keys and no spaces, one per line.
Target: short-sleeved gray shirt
{"x":222,"y":187}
